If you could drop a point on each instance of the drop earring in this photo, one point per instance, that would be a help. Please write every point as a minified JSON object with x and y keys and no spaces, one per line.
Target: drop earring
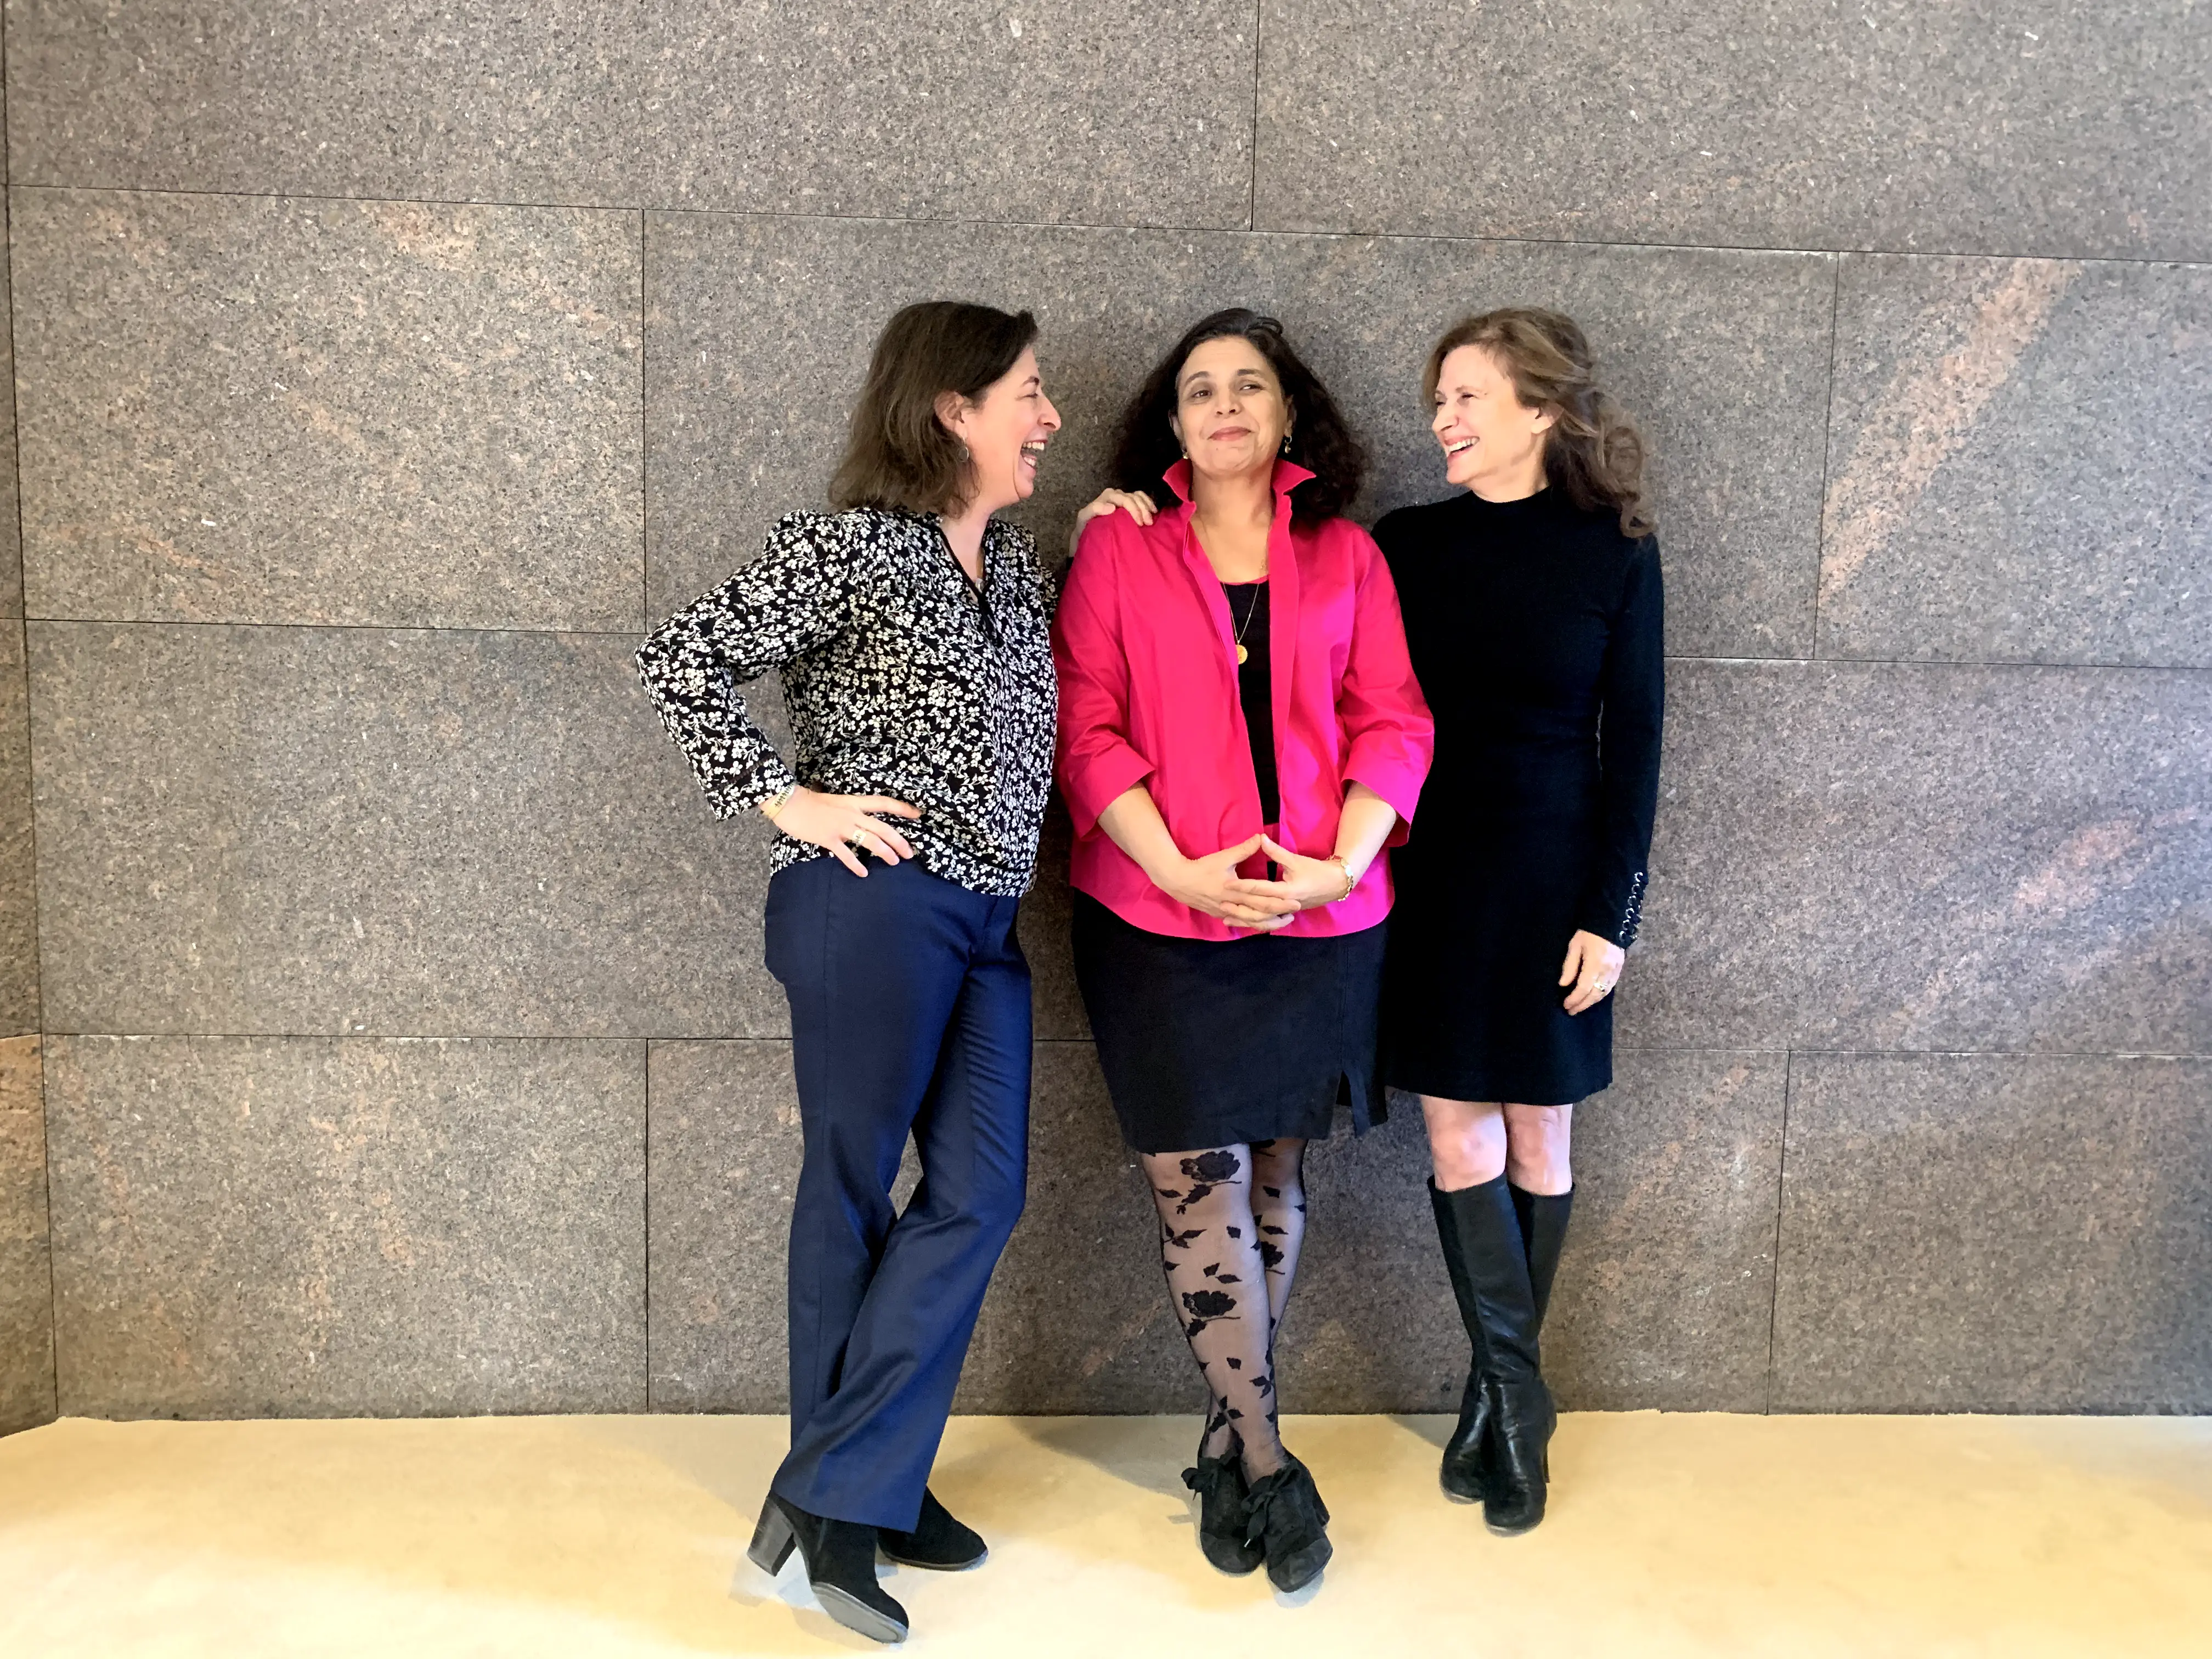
{"x":1285,"y":449}
{"x":964,"y":456}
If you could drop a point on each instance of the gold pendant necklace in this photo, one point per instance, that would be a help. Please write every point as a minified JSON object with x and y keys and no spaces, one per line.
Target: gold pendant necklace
{"x":1251,"y":611}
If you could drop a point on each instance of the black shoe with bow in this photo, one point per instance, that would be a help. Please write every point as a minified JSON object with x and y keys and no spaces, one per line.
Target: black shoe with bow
{"x":1222,"y":1498}
{"x":1286,"y":1517}
{"x":841,"y":1566}
{"x":938,"y":1541}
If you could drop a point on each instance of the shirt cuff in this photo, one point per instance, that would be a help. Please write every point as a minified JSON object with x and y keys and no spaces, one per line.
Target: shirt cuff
{"x":1100,"y":780}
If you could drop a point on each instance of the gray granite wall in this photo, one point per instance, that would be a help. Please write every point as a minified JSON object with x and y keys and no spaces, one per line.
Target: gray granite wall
{"x":383,"y":370}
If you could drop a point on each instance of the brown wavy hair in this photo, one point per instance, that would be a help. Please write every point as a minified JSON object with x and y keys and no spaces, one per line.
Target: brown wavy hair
{"x":1322,"y":439}
{"x":899,"y":455}
{"x":1592,"y":449}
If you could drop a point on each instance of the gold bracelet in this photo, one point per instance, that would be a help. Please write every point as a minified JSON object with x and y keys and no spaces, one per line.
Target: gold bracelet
{"x":1351,"y":881}
{"x":778,"y":801}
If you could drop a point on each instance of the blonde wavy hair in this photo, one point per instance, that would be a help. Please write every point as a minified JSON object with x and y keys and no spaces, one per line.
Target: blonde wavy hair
{"x":1592,"y":449}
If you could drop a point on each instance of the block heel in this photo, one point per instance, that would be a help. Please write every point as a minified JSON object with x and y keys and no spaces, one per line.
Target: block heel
{"x":773,"y":1540}
{"x":839,"y":1558}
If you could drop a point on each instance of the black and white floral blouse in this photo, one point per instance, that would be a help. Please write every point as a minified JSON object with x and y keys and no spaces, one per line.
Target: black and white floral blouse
{"x":900,"y":679}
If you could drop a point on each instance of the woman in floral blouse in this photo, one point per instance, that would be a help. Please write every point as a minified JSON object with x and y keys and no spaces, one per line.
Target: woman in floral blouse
{"x":912,"y":631}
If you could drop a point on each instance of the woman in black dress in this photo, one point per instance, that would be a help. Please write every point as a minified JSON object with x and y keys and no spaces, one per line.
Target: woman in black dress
{"x":1533,"y":608}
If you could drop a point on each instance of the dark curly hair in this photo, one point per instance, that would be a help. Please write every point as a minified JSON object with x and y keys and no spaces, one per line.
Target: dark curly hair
{"x":1321,"y":440}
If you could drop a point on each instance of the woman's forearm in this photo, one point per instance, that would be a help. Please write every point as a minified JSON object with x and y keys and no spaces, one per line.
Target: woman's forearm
{"x":1131,"y":821}
{"x":1362,"y":828}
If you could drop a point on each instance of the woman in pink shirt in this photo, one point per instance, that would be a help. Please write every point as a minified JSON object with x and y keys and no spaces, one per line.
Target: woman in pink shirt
{"x":1240,"y":737}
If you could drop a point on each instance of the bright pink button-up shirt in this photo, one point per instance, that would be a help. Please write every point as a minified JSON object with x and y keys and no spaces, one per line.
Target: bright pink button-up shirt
{"x":1147,"y":663}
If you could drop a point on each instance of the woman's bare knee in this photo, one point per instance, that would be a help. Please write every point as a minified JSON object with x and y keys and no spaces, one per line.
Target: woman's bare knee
{"x":1466,"y":1141}
{"x":1537,"y":1147}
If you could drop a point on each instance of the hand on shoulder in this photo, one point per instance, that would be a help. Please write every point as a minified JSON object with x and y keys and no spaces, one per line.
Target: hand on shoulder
{"x":1136,"y":504}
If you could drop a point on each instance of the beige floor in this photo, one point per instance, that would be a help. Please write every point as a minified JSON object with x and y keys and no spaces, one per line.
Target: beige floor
{"x":1802,"y":1537}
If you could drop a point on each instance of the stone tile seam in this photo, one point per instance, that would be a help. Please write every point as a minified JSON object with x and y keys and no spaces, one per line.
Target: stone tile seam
{"x":486,"y":1037}
{"x":22,"y":626}
{"x":1827,"y":456}
{"x":21,"y":622}
{"x":1701,"y":1049}
{"x":38,"y":981}
{"x":645,"y":1194}
{"x":2018,"y":663}
{"x":489,"y":630}
{"x":645,"y":443}
{"x":2001,"y":1054}
{"x":15,"y":449}
{"x":1789,"y":1053}
{"x":1781,"y":1188}
{"x":513,"y":1036}
{"x":650,"y":209}
{"x":1252,"y":134}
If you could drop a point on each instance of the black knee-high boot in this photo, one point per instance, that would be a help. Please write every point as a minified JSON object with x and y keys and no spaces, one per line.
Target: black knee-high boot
{"x":1503,"y":1439}
{"x":1543,"y":1218}
{"x":1464,"y":1474}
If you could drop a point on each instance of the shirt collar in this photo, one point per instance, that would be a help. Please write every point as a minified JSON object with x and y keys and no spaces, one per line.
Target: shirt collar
{"x":1289,"y":475}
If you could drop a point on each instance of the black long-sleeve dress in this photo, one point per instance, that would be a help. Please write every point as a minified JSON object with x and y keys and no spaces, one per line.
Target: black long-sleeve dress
{"x":1534,"y":628}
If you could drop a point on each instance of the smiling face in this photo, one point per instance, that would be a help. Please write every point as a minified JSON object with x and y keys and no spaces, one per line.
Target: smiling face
{"x":1005,"y":429}
{"x":1494,"y":443}
{"x":1230,"y":414}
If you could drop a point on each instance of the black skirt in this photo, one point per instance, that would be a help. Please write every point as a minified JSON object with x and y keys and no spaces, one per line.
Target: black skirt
{"x":1210,"y":1043}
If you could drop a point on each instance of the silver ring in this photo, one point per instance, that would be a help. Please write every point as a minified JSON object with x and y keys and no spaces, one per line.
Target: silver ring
{"x":1602,"y":986}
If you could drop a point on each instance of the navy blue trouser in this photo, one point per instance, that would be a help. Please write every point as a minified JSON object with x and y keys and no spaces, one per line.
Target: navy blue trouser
{"x":909,"y":1015}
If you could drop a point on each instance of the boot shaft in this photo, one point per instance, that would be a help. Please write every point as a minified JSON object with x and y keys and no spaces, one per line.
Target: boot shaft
{"x":1543,"y":1218}
{"x":1488,"y":1262}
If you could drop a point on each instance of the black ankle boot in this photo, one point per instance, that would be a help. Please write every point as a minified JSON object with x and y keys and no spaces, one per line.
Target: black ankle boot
{"x":1222,"y":1498}
{"x":1287,"y":1519}
{"x":938,"y":1541}
{"x":1489,"y":1266}
{"x":841,"y":1566}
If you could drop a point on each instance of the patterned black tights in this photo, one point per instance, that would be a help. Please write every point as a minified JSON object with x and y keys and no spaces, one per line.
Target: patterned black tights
{"x":1231,"y":1221}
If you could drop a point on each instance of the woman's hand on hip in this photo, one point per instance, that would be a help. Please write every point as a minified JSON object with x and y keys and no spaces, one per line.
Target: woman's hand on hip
{"x":1593,"y":968}
{"x":842,"y":822}
{"x":1307,"y":883}
{"x":1134,"y":502}
{"x":1212,"y":884}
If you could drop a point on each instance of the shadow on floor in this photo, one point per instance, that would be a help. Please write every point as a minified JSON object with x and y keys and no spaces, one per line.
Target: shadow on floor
{"x":1142,"y":1452}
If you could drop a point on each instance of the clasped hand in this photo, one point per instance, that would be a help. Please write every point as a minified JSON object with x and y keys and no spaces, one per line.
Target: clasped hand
{"x":1212,"y":884}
